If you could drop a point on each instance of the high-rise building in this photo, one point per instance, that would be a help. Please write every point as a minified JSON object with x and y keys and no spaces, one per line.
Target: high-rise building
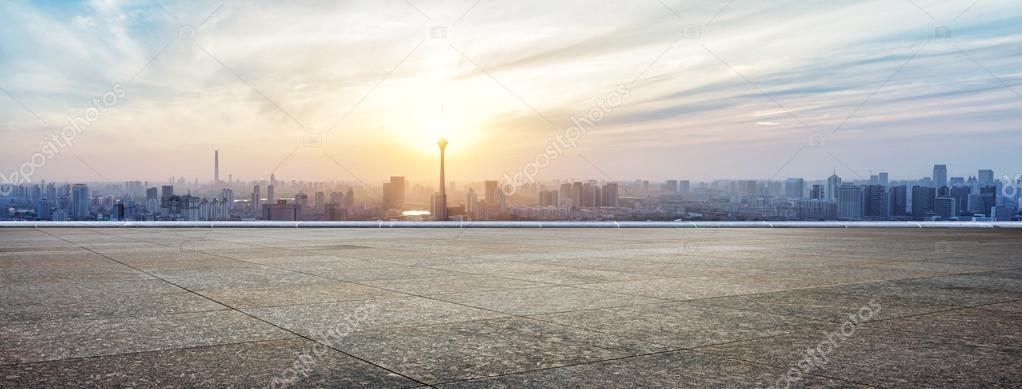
{"x":610,"y":194}
{"x":256,"y":199}
{"x":794,"y":188}
{"x":816,"y":193}
{"x":939,"y":176}
{"x":282,"y":211}
{"x":670,"y":186}
{"x":394,"y":193}
{"x":349,"y":199}
{"x":42,"y":209}
{"x":81,"y":203}
{"x":302,"y":200}
{"x":876,"y":202}
{"x":833,"y":183}
{"x":320,"y":201}
{"x":270,"y":195}
{"x":492,"y":187}
{"x":167,"y":191}
{"x":884,"y":178}
{"x":899,"y":201}
{"x":216,"y":166}
{"x":472,"y":202}
{"x":849,"y":202}
{"x":922,"y":201}
{"x":683,"y":186}
{"x":961,"y":196}
{"x":548,"y":198}
{"x":986,"y":177}
{"x":989,"y":196}
{"x":945,"y":207}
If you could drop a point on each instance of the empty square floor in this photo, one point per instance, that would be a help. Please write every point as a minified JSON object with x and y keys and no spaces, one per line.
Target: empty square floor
{"x":480,"y":308}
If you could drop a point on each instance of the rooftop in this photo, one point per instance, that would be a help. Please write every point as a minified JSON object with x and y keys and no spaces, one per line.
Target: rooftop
{"x":264,"y":307}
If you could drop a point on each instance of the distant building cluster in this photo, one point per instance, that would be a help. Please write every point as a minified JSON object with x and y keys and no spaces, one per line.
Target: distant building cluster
{"x":979,"y":197}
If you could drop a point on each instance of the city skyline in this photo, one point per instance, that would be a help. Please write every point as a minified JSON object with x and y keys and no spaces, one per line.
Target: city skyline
{"x":942,"y":196}
{"x":173,"y":80}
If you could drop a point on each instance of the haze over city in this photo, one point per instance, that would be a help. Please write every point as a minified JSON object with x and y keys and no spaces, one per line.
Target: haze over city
{"x":353,"y":91}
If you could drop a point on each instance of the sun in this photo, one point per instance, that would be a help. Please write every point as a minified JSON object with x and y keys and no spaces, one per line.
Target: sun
{"x":421,"y":129}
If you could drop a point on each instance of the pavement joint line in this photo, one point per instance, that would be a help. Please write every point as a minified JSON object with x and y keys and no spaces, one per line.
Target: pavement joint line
{"x":253,"y":316}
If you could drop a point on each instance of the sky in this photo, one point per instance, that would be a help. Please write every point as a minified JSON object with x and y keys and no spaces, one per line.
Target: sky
{"x":361,"y":90}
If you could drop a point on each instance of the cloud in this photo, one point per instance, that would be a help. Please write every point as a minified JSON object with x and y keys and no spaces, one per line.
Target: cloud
{"x":761,"y":78}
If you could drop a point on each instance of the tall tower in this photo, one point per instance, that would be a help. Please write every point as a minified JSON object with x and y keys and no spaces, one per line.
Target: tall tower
{"x":216,"y":166}
{"x":940,"y":176}
{"x":441,"y":213}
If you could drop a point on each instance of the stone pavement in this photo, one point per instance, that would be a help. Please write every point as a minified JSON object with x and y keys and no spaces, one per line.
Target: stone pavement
{"x":598,"y":308}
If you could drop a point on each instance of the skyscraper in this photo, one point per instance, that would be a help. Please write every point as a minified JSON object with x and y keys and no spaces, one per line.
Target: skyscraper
{"x":216,"y":166}
{"x":884,"y":178}
{"x":610,"y":194}
{"x":922,"y":201}
{"x":81,"y":204}
{"x":945,"y":207}
{"x":319,"y":201}
{"x":471,"y":202}
{"x":961,"y":196}
{"x":394,"y":193}
{"x":794,"y":188}
{"x":256,"y":198}
{"x":833,"y":183}
{"x":816,"y":193}
{"x":349,"y":199}
{"x":939,"y":176}
{"x":989,"y":196}
{"x":986,"y":177}
{"x":491,"y":191}
{"x":876,"y":202}
{"x":849,"y":202}
{"x":548,"y":198}
{"x":899,"y":200}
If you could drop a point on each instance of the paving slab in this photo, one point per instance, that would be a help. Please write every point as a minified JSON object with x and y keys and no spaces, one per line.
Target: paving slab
{"x":533,"y":301}
{"x":244,"y":365}
{"x":449,"y":352}
{"x":586,"y":308}
{"x":73,"y":338}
